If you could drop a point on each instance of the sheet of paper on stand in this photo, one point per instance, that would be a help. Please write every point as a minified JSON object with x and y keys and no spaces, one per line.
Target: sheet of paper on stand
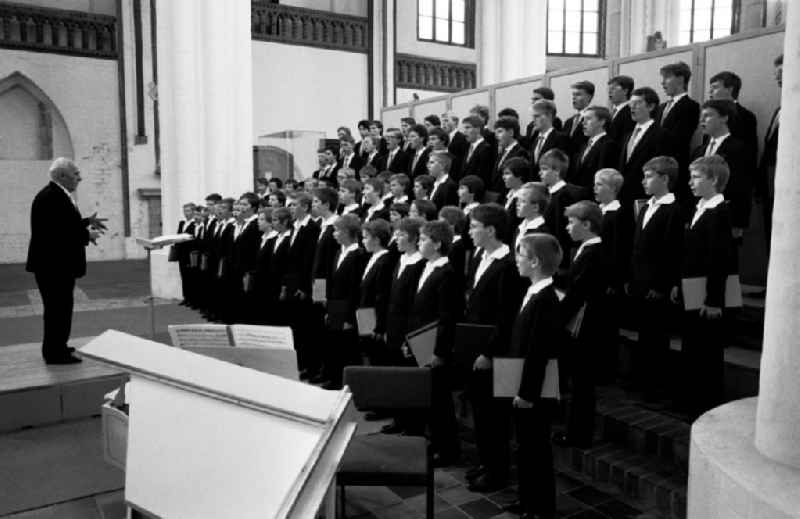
{"x":162,"y":241}
{"x":290,"y":439}
{"x":694,"y":292}
{"x":507,"y":377}
{"x":366,"y":319}
{"x":318,"y":290}
{"x":422,"y":342}
{"x":200,"y":335}
{"x":269,"y":337}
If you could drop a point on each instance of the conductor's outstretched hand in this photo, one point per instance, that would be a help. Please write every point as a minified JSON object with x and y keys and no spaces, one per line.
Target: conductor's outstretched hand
{"x":97,"y":223}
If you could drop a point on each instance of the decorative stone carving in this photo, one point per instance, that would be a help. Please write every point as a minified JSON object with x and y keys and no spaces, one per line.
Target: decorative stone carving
{"x":433,"y":74}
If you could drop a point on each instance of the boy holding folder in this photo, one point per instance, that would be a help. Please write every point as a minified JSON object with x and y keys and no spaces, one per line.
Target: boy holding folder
{"x":536,"y":336}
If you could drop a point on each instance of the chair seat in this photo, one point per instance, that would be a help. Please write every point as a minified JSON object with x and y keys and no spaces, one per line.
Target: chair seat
{"x":384,"y":459}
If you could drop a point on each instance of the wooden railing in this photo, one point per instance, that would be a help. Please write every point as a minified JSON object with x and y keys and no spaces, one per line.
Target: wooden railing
{"x":433,"y":74}
{"x":298,"y":26}
{"x":56,"y":30}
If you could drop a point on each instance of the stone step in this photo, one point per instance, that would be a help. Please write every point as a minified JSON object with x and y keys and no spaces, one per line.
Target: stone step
{"x":645,"y":481}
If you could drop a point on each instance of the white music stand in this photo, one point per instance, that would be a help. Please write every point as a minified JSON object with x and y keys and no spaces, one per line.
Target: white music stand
{"x":207,"y":438}
{"x":149,"y":245}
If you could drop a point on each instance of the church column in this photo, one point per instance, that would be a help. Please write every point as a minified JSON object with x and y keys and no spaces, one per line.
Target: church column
{"x":205,"y":96}
{"x":778,"y":417}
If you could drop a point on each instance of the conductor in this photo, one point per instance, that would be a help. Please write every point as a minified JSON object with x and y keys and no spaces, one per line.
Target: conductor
{"x":57,"y":255}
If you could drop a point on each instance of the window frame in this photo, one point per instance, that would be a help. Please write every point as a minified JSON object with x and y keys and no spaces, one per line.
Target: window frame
{"x":601,"y":33}
{"x":736,"y":10}
{"x":469,"y":25}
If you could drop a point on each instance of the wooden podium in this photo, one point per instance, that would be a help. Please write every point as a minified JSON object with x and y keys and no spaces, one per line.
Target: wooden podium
{"x":210,"y":439}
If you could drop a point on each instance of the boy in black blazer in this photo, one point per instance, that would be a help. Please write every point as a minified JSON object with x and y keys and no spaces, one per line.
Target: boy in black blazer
{"x":708,"y":253}
{"x":278,"y":265}
{"x":600,"y":150}
{"x":532,"y":202}
{"x":536,"y":336}
{"x":553,"y":165}
{"x":582,"y":95}
{"x":445,"y":190}
{"x":460,"y":255}
{"x":545,"y":136}
{"x":619,"y":95}
{"x":480,"y":155}
{"x":581,"y":310}
{"x":436,"y":298}
{"x":264,"y":304}
{"x":247,"y":238}
{"x":376,"y":284}
{"x":343,"y":300}
{"x":373,"y":207}
{"x":396,"y":159}
{"x":225,"y":280}
{"x":506,"y":131}
{"x":418,"y":151}
{"x":182,"y":251}
{"x":493,"y":292}
{"x":655,"y":271}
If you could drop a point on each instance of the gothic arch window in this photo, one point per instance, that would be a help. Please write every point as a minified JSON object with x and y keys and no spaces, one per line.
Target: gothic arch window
{"x":31,"y":126}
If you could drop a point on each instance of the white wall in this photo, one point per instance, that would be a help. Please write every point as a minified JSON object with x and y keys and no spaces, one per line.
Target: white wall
{"x":85,"y":92}
{"x":406,"y":95}
{"x":303,"y":88}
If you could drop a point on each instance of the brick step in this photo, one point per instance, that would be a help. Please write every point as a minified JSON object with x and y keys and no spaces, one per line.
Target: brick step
{"x":647,"y":482}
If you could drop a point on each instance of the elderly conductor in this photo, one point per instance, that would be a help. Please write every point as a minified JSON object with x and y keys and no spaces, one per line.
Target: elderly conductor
{"x":57,"y":255}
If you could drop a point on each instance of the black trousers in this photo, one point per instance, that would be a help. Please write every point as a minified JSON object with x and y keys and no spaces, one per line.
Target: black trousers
{"x":443,"y":425}
{"x":704,"y":362}
{"x":56,"y":291}
{"x":299,"y":314}
{"x":581,"y":368}
{"x":492,"y":418}
{"x":537,"y":482}
{"x":653,"y":348}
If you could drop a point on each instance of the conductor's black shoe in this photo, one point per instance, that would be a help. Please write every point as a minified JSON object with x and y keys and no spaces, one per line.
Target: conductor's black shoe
{"x":69,"y":358}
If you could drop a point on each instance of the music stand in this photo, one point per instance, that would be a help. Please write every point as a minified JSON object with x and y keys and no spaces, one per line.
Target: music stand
{"x":158,"y":242}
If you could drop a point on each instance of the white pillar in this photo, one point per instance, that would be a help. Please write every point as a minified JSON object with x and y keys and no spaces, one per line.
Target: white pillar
{"x":513,"y":39}
{"x":205,"y":96}
{"x":490,"y":42}
{"x":778,"y":416}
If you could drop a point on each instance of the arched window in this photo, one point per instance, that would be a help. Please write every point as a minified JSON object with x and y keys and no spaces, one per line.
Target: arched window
{"x":702,"y":20}
{"x":575,"y":27}
{"x":31,"y":127}
{"x":446,"y":21}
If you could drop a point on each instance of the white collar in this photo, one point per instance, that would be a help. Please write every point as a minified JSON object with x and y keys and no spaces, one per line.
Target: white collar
{"x":719,"y":140}
{"x":441,"y":180}
{"x":531,"y":224}
{"x":250,"y":219}
{"x":346,"y":250}
{"x":595,"y":139}
{"x":645,"y":125}
{"x":469,"y":207}
{"x":678,"y":97}
{"x":555,"y":187}
{"x":540,"y":285}
{"x":475,"y":144}
{"x":414,"y":257}
{"x":350,"y":208}
{"x":329,"y":220}
{"x":402,"y":200}
{"x":499,"y":253}
{"x":546,"y":133}
{"x":711,"y":203}
{"x":230,"y":220}
{"x":667,"y":199}
{"x":441,"y":262}
{"x":453,"y":134}
{"x":377,"y":207}
{"x":272,"y":233}
{"x":590,"y":241}
{"x":621,"y":105}
{"x":611,"y":206}
{"x":509,"y":147}
{"x":456,"y":238}
{"x":302,"y":223}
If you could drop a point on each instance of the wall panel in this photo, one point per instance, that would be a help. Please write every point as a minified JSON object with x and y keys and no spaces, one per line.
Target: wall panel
{"x":644,"y":70}
{"x":518,"y":97}
{"x":462,"y":103}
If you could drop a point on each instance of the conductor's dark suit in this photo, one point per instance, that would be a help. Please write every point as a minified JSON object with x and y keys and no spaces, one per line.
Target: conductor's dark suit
{"x":56,"y":256}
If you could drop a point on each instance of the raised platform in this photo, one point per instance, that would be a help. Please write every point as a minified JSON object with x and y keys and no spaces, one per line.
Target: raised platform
{"x":33,"y":393}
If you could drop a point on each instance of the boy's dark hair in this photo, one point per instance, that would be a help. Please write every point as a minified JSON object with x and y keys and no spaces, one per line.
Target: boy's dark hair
{"x":280,"y":195}
{"x":411,"y":226}
{"x":518,"y":166}
{"x":379,"y":228}
{"x":421,"y":131}
{"x":481,"y":111}
{"x":649,"y":95}
{"x":377,"y":124}
{"x":377,"y":185}
{"x":545,"y":92}
{"x":557,"y":160}
{"x":442,"y":135}
{"x":474,"y":185}
{"x":261,"y":181}
{"x":426,"y":181}
{"x":454,"y":217}
{"x":492,"y":215}
{"x":328,"y":196}
{"x":728,"y":80}
{"x":400,"y":208}
{"x":625,"y":83}
{"x":473,"y":120}
{"x":724,"y":107}
{"x":602,"y":113}
{"x":679,"y":69}
{"x":363,"y":123}
{"x":408,"y":120}
{"x":509,"y":124}
{"x":426,"y":209}
{"x":251,"y":199}
{"x":303,"y":199}
{"x":278,"y":182}
{"x":433,"y":119}
{"x":214,"y":197}
{"x":508,"y":112}
{"x":586,"y":86}
{"x":545,"y":248}
{"x":663,"y":165}
{"x":586,"y":211}
{"x":439,"y":232}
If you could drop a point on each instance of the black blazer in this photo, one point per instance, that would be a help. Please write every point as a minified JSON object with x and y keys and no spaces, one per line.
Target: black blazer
{"x":278,"y":265}
{"x":421,"y":167}
{"x":557,"y":222}
{"x":480,"y":162}
{"x":497,"y":185}
{"x":378,"y":162}
{"x":765,"y":185}
{"x":709,"y":252}
{"x":399,"y":163}
{"x":380,"y":213}
{"x":460,"y":256}
{"x":343,"y":280}
{"x":555,"y":139}
{"x":657,"y":250}
{"x":356,"y":163}
{"x":401,"y":296}
{"x":437,"y":300}
{"x":375,"y":288}
{"x":301,"y":259}
{"x":536,"y":336}
{"x":745,"y":128}
{"x":573,"y":128}
{"x":621,"y":125}
{"x":494,"y":301}
{"x":741,"y":182}
{"x":515,"y":233}
{"x":458,"y":148}
{"x":328,"y":175}
{"x":245,"y":249}
{"x":263,"y":259}
{"x":224,"y":251}
{"x":59,"y":235}
{"x":616,"y":232}
{"x":184,"y":249}
{"x":587,"y":282}
{"x":445,"y":194}
{"x":603,"y":154}
{"x":680,"y":124}
{"x":324,"y":252}
{"x":528,"y":139}
{"x":653,"y":143}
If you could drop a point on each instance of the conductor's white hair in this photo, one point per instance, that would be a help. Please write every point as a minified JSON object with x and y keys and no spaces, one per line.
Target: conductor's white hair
{"x":59,"y":166}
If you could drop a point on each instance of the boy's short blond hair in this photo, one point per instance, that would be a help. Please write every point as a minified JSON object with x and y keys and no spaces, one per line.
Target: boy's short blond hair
{"x":610,"y":177}
{"x":545,"y":248}
{"x":713,"y":167}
